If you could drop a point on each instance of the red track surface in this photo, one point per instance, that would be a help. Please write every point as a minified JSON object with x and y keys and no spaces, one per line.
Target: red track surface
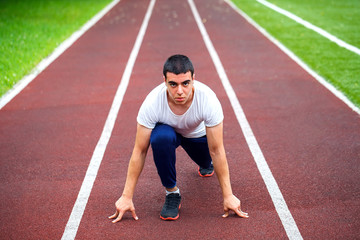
{"x":309,"y":138}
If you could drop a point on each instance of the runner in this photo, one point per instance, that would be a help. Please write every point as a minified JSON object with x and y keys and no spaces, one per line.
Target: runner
{"x":182,"y":112}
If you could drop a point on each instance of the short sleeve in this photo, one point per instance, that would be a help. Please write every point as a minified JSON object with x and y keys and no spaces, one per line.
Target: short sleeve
{"x":213,"y":112}
{"x":147,"y":116}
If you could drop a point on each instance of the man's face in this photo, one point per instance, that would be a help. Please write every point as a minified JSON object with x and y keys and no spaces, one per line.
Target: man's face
{"x":180,"y":87}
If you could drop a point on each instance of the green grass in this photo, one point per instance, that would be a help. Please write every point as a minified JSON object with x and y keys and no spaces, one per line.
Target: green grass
{"x":31,"y":29}
{"x":340,"y":18}
{"x":337,"y":65}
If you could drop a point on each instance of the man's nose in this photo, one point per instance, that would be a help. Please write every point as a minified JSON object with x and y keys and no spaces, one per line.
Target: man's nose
{"x":179,"y":90}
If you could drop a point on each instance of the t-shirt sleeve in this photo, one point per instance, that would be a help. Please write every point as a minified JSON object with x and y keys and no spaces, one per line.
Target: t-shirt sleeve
{"x":213,"y":111}
{"x":147,"y":115}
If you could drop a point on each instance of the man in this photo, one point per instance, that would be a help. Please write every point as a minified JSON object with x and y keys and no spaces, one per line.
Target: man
{"x":180,"y":112}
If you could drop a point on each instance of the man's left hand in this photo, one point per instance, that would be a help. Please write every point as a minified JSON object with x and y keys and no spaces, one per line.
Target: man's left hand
{"x":234,"y":204}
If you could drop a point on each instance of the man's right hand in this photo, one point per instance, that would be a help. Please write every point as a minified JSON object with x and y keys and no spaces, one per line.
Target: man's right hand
{"x":123,"y":205}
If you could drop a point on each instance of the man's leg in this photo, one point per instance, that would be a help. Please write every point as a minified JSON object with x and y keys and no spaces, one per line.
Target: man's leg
{"x":198,"y":150}
{"x":164,"y":141}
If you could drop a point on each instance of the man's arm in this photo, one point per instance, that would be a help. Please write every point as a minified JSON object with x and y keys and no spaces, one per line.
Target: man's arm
{"x":135,"y":167}
{"x":217,"y":152}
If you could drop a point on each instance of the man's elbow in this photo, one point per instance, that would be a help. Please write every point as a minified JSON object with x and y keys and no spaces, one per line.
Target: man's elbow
{"x":216,"y":152}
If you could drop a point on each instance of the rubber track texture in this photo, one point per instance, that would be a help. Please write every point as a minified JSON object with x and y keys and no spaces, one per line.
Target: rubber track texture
{"x":310,"y":139}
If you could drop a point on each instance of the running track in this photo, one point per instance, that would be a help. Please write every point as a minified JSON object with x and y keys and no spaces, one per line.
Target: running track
{"x":309,"y":138}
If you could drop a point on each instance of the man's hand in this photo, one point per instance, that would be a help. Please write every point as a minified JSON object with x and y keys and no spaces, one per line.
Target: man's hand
{"x":233,"y":203}
{"x":123,"y":205}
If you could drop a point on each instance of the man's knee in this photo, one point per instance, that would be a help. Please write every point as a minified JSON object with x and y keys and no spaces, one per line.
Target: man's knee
{"x":163,"y":134}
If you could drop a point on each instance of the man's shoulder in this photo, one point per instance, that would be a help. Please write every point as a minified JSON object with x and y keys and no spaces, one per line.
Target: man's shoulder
{"x":149,"y":110}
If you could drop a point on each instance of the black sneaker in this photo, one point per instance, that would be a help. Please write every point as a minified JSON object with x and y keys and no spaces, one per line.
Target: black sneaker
{"x":206,"y":172}
{"x":170,"y":210}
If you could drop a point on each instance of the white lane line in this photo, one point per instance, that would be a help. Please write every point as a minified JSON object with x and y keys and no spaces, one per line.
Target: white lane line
{"x":86,"y":187}
{"x":308,"y":25}
{"x":320,"y":79}
{"x":17,"y":88}
{"x":281,"y":207}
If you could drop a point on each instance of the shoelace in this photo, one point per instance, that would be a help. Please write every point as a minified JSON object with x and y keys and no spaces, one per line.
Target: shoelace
{"x":172,"y":201}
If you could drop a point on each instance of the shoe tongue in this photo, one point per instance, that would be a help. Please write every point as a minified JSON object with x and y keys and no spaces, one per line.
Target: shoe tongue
{"x":171,"y":200}
{"x":173,"y":195}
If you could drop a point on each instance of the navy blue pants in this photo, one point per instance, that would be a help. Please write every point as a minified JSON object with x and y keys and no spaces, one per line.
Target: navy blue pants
{"x":164,"y":141}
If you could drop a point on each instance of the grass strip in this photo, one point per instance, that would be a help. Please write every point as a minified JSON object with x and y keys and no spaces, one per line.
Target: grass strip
{"x":30,"y":30}
{"x":335,"y":64}
{"x":340,"y":18}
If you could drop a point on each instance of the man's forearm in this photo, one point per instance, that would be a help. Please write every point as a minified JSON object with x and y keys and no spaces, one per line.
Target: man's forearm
{"x":137,"y":160}
{"x":136,"y":165}
{"x":222,"y":172}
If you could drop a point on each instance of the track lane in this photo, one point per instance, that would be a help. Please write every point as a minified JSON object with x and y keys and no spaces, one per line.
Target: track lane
{"x":48,"y":132}
{"x":202,"y":204}
{"x":277,"y":198}
{"x":310,"y":138}
{"x":96,"y":159}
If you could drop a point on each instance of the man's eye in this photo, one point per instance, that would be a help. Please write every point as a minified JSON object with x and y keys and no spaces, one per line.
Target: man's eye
{"x":187,"y":83}
{"x":172,"y":84}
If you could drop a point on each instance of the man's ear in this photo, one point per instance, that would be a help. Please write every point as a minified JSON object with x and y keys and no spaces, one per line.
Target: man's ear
{"x":164,"y":79}
{"x":193,"y":76}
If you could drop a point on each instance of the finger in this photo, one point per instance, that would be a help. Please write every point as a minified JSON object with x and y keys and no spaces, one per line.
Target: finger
{"x":119,"y":217}
{"x":134,"y":215}
{"x":241,"y":213}
{"x":114,"y":216}
{"x":226,"y":214}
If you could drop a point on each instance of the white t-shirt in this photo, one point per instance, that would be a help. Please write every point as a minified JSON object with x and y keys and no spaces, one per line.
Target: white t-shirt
{"x":205,"y":110}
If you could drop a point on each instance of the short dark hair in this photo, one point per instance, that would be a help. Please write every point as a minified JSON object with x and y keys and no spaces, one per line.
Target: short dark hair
{"x":178,"y":64}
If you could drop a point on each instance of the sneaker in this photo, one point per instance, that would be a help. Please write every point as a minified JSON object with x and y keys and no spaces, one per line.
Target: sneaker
{"x":206,"y":172}
{"x":170,"y":210}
